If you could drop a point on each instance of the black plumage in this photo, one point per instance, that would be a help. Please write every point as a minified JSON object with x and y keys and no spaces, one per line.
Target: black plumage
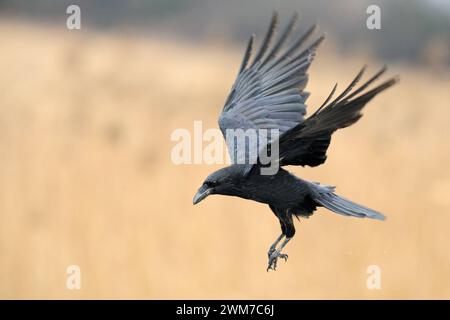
{"x":269,"y":94}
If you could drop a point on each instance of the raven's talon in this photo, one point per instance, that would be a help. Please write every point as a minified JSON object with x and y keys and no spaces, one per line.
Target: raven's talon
{"x":272,"y":267}
{"x":273,"y":259}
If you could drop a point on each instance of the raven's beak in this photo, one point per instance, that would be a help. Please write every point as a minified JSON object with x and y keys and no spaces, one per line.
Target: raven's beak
{"x":201,"y":194}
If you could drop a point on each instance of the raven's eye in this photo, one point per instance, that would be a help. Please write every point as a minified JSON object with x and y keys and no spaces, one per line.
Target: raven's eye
{"x":210,"y":184}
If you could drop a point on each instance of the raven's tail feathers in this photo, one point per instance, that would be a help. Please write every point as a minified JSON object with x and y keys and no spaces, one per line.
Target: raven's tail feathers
{"x":340,"y":205}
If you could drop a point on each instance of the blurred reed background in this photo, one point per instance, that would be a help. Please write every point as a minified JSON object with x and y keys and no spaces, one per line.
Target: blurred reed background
{"x":86,"y":176}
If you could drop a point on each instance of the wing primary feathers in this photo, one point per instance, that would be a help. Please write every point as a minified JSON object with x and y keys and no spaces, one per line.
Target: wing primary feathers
{"x":248,"y":53}
{"x":298,"y":43}
{"x":265,"y":44}
{"x":310,"y":49}
{"x":349,"y":88}
{"x":370,"y":94}
{"x":307,"y":143}
{"x":286,"y":33}
{"x":326,"y":100}
{"x":313,"y":46}
{"x":365,"y":85}
{"x":347,"y":112}
{"x":361,"y":88}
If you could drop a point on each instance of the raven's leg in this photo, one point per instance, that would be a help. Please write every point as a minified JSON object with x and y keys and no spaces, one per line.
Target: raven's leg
{"x":273,"y":258}
{"x":288,"y":230}
{"x":283,"y":244}
{"x":274,"y":245}
{"x":282,"y":235}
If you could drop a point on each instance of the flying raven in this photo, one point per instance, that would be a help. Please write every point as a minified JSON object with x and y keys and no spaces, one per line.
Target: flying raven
{"x":269,"y":93}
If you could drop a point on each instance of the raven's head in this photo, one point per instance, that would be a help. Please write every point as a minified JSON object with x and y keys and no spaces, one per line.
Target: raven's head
{"x":224,"y":181}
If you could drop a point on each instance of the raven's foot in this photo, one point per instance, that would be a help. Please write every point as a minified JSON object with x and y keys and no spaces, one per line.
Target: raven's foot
{"x":274,"y":245}
{"x":273,"y":259}
{"x":272,"y":249}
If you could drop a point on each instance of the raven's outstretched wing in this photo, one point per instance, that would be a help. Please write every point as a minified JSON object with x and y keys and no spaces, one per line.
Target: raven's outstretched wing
{"x":307,"y":143}
{"x":268,"y":93}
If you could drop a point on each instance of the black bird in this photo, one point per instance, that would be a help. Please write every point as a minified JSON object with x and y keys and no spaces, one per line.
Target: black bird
{"x":269,"y":93}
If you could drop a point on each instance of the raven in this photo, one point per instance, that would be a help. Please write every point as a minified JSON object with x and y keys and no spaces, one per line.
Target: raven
{"x":269,"y":93}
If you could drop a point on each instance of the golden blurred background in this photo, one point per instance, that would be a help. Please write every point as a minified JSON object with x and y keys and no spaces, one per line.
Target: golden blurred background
{"x":86,"y":176}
